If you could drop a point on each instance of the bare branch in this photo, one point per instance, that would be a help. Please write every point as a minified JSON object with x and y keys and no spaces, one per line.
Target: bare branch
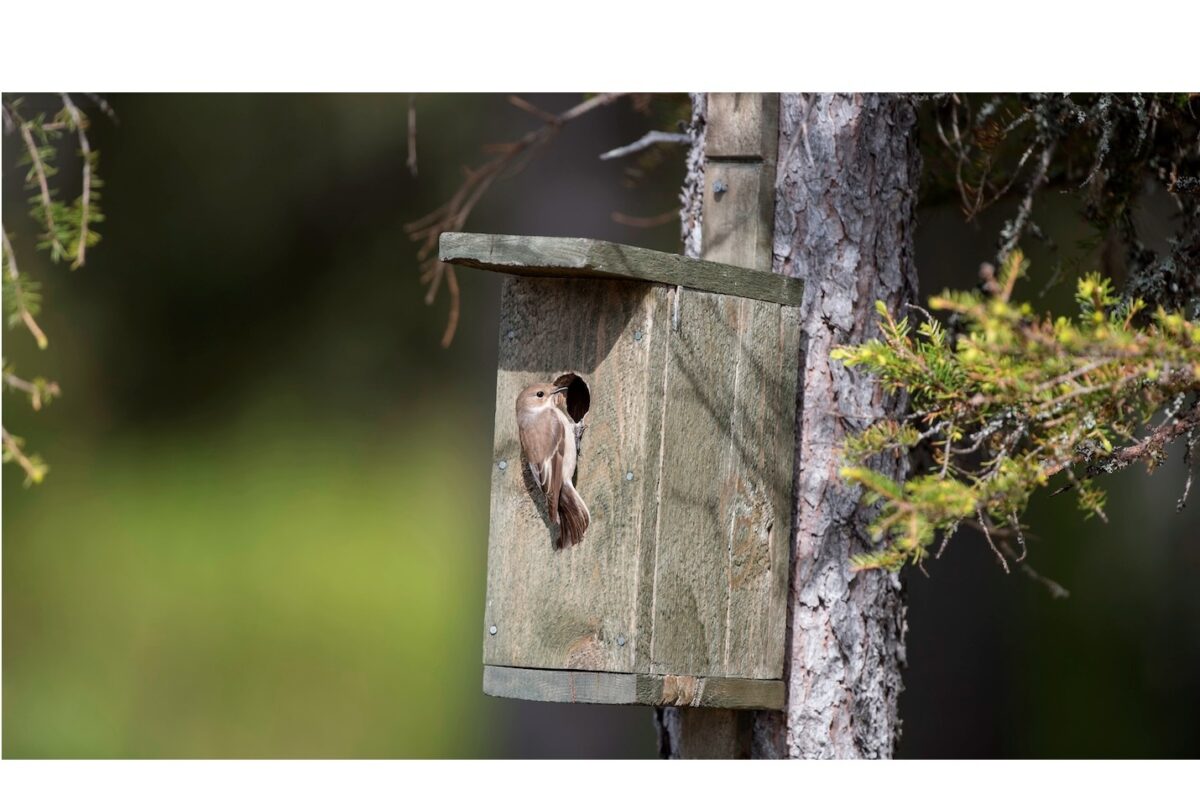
{"x":509,"y":158}
{"x":530,"y":108}
{"x":1011,"y":234}
{"x":649,"y":140}
{"x":412,"y":135}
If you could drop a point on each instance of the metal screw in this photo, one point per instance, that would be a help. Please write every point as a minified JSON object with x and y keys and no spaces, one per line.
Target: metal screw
{"x":512,"y":334}
{"x":628,"y":476}
{"x":492,"y":630}
{"x":503,"y":464}
{"x":620,"y":641}
{"x":719,"y":187}
{"x":637,"y":336}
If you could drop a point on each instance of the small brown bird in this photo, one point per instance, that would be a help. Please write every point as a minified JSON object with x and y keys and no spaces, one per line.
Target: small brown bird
{"x":549,"y":444}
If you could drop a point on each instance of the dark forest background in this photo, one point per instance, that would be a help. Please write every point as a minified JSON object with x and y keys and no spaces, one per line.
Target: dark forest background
{"x":264,"y":529}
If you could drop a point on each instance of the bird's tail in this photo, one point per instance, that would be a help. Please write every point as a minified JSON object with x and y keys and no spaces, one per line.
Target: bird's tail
{"x":574,"y":516}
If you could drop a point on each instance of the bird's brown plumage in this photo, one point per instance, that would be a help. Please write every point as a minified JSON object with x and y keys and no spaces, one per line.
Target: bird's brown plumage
{"x":548,"y":443}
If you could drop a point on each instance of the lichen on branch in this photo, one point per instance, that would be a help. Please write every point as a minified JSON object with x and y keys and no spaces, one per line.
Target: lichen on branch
{"x":1014,"y":401}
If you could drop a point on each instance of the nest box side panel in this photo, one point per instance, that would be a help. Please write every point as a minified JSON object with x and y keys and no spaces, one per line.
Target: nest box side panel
{"x":575,"y":608}
{"x":719,"y":596}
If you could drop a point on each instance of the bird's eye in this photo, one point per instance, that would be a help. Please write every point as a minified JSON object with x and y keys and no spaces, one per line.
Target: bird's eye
{"x":541,"y":394}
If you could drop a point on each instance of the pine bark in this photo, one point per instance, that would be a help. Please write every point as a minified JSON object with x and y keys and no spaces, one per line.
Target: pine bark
{"x":848,"y":174}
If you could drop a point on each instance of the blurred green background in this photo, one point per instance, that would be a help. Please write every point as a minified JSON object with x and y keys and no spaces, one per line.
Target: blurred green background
{"x":264,"y":529}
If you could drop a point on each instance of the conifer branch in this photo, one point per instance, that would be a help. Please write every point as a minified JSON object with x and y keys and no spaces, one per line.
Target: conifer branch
{"x":20,"y":300}
{"x":35,"y":157}
{"x":35,"y":470}
{"x":79,"y":123}
{"x":1030,"y":397}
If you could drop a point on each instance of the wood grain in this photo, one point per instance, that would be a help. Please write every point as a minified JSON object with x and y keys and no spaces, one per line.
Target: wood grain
{"x":742,"y":126}
{"x":722,"y":547}
{"x":562,"y":686}
{"x":738,"y":220}
{"x":547,"y":256}
{"x":574,"y":608}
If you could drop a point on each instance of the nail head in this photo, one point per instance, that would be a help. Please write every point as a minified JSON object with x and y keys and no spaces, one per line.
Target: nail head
{"x":628,"y":476}
{"x":492,"y":630}
{"x":637,"y":336}
{"x":620,"y":641}
{"x":503,"y":464}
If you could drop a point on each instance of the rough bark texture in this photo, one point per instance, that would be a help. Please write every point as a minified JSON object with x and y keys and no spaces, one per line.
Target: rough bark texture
{"x":848,"y":172}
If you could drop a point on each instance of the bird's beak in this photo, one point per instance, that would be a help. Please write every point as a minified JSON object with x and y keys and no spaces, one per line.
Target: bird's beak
{"x":561,"y":389}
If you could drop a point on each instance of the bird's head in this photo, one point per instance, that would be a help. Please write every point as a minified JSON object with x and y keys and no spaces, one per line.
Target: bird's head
{"x":538,"y":395}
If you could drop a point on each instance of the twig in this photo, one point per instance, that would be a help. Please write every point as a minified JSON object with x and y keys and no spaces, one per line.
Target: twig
{"x":1150,"y":446}
{"x":1193,"y":436}
{"x":452,"y":216}
{"x":104,"y":107}
{"x":35,"y":392}
{"x":1012,"y":232}
{"x":1055,"y":589}
{"x":529,"y":108}
{"x":412,"y":135}
{"x":33,"y":472}
{"x":648,"y":140}
{"x":80,"y":123}
{"x":44,"y":187}
{"x":19,"y":296}
{"x":987,"y":534}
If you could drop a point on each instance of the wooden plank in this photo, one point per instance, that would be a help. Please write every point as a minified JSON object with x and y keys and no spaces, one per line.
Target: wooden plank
{"x":563,"y":686}
{"x":547,"y":256}
{"x":721,"y":548}
{"x":757,"y":493}
{"x":742,"y":126}
{"x":739,"y":208}
{"x":692,"y":583}
{"x":575,"y":608}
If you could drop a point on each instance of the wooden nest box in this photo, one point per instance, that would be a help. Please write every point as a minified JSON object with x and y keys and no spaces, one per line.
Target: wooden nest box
{"x":686,"y":377}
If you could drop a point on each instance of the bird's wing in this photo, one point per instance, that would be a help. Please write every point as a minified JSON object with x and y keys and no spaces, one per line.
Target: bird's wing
{"x":541,"y":436}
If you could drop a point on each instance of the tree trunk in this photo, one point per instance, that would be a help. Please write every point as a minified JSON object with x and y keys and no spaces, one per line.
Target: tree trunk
{"x":846,"y":193}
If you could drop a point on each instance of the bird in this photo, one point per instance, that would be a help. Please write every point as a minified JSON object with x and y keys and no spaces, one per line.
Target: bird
{"x":549,"y":444}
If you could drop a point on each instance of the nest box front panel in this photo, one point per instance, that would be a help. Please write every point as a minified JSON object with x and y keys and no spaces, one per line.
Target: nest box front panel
{"x":728,"y":435}
{"x":577,"y":608}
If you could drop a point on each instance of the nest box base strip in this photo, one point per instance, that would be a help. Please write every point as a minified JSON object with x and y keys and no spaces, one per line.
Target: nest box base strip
{"x":625,"y":688}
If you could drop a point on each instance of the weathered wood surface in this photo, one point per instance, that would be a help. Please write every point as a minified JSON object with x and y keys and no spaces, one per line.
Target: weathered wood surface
{"x":619,"y":688}
{"x":740,"y":146}
{"x":742,"y":126}
{"x":547,"y":256}
{"x":685,"y":466}
{"x":576,"y":608}
{"x":739,"y":200}
{"x":726,"y":489}
{"x":733,"y":157}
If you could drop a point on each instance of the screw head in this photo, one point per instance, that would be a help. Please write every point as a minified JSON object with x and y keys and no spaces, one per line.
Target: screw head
{"x":628,"y":476}
{"x":719,"y":187}
{"x":637,"y":336}
{"x":511,"y":334}
{"x":492,"y":630}
{"x":503,"y":464}
{"x":620,"y":641}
